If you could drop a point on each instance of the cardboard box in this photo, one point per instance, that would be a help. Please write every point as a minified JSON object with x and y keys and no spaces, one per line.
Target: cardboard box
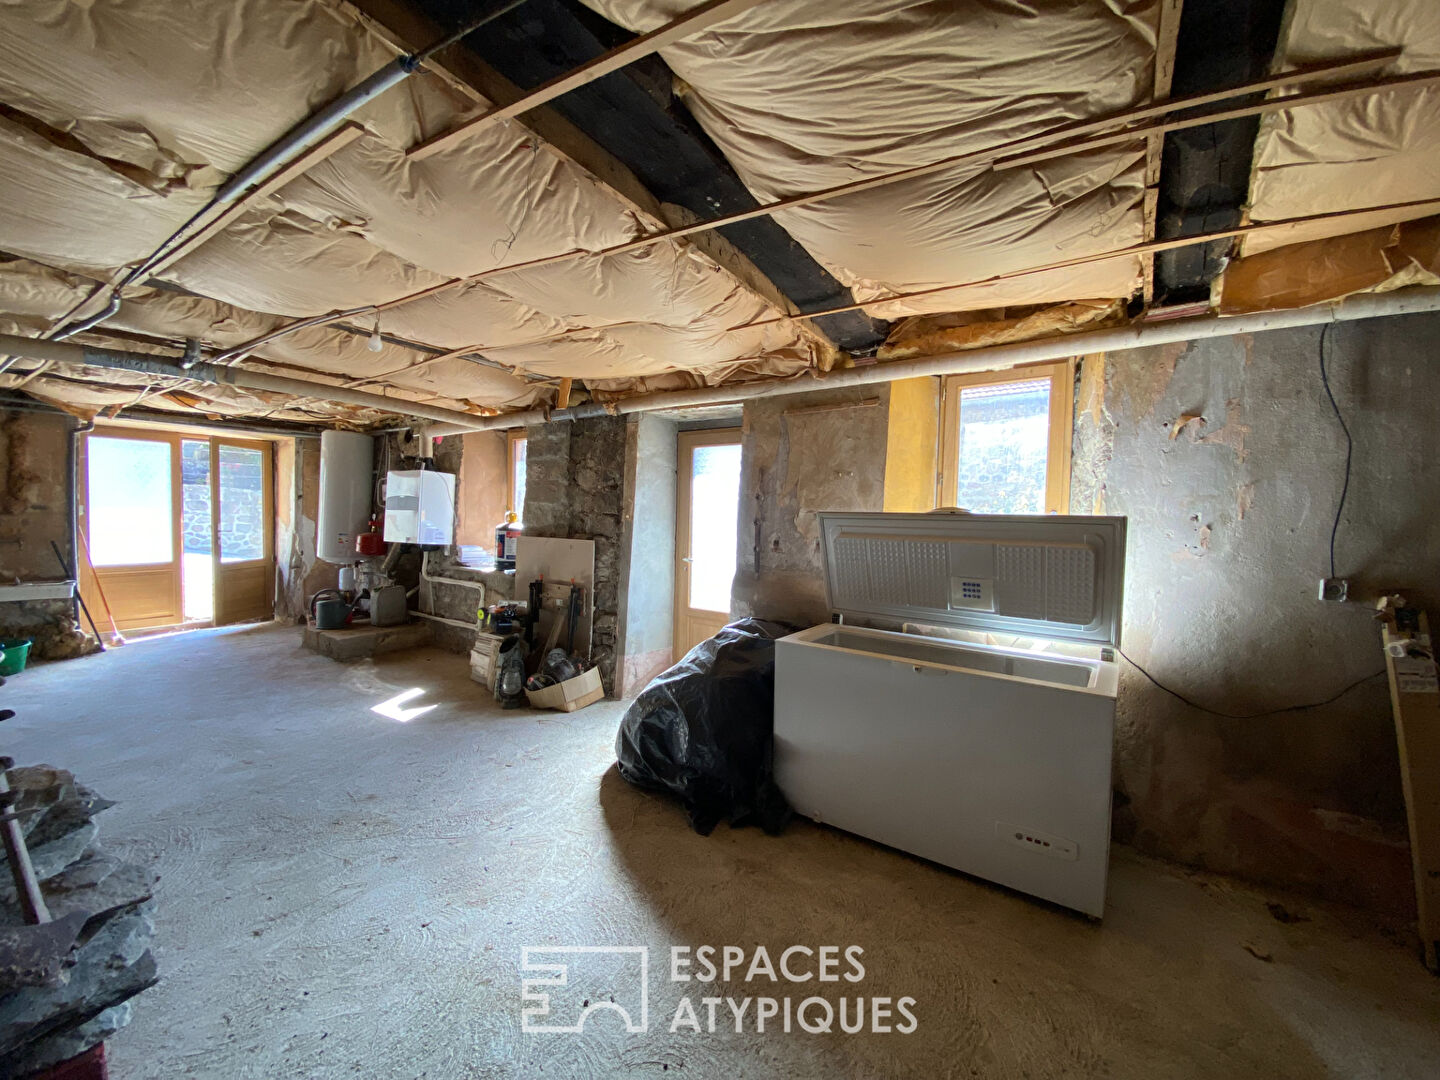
{"x":485,"y":658}
{"x":584,"y":689}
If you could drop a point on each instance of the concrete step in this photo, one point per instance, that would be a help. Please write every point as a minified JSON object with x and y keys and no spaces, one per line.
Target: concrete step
{"x":355,"y":642}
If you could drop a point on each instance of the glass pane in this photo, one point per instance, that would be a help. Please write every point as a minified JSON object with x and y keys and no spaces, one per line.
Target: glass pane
{"x":129,"y":502}
{"x":714,"y":507}
{"x":242,"y":504}
{"x":1004,"y":445}
{"x":195,"y":565}
{"x":519,"y":478}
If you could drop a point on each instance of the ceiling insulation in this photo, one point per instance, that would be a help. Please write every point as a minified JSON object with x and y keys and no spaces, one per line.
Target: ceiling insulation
{"x":104,"y":153}
{"x":807,"y":94}
{"x":1371,"y":151}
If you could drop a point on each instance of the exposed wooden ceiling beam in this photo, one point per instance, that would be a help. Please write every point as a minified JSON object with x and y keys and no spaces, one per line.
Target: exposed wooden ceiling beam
{"x":1345,"y":221}
{"x":203,"y":230}
{"x":1417,"y":81}
{"x":461,"y":69}
{"x":692,"y":22}
{"x":567,"y":141}
{"x":1167,"y":36}
{"x":210,"y":222}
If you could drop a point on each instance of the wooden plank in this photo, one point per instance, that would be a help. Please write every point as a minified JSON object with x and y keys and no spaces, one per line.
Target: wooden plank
{"x":406,"y":30}
{"x":1060,"y":135}
{"x":560,"y":561}
{"x":687,"y":25}
{"x":562,"y":396}
{"x":1279,"y":104}
{"x":209,"y":223}
{"x":1345,"y":221}
{"x":474,"y":78}
{"x":1416,"y":705}
{"x":1166,"y":38}
{"x":205,"y":230}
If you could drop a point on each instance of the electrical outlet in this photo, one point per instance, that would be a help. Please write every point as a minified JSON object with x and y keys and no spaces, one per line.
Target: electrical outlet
{"x":1334,"y":590}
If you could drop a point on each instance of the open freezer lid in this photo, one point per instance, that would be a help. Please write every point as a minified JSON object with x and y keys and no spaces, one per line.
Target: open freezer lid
{"x":1043,"y":576}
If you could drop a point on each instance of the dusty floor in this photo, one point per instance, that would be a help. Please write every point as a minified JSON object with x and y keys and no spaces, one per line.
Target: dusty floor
{"x":341,"y":893}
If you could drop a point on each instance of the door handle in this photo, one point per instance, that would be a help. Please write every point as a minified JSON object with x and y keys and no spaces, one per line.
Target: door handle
{"x":920,"y":669}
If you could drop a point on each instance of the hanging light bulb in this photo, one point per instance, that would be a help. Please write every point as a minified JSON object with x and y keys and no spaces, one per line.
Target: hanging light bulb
{"x":376,"y":344}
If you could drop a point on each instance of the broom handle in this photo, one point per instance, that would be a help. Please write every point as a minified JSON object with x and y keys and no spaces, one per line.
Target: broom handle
{"x":85,"y":546}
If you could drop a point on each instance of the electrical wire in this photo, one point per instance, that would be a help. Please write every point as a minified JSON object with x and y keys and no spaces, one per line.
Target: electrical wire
{"x":1349,"y":442}
{"x":1255,"y":715}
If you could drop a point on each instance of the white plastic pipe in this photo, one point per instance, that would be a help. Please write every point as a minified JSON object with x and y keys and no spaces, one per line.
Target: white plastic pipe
{"x":425,"y":573}
{"x":447,"y":622}
{"x":994,"y":358}
{"x":428,"y":599}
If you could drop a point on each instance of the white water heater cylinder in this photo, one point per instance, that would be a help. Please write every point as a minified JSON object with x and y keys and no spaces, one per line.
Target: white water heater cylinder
{"x":347,"y":462}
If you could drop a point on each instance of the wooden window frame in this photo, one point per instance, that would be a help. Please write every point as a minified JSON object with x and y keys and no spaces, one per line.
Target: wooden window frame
{"x":513,"y":436}
{"x":1061,"y":374}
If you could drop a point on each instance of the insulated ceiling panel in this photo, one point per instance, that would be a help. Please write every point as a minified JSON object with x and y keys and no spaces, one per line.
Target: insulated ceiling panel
{"x":1377,"y":150}
{"x":802,"y":95}
{"x":104,"y":153}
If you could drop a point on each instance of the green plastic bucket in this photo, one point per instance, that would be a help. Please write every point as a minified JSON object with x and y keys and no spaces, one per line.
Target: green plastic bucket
{"x":17,"y":651}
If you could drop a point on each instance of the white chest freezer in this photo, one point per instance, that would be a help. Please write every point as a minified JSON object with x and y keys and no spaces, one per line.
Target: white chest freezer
{"x":990,"y":758}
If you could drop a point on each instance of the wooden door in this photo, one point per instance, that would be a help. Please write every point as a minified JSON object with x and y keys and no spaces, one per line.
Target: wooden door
{"x":242,"y":530}
{"x":707,"y":507}
{"x":129,"y":510}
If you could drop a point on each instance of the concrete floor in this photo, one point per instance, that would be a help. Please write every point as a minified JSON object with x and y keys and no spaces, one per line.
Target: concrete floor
{"x":342,"y":893}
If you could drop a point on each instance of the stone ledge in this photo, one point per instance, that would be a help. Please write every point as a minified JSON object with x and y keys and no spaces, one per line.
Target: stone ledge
{"x":361,"y":641}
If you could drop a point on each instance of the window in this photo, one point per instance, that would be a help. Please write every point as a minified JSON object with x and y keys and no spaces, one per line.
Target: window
{"x":517,"y":474}
{"x":131,"y":501}
{"x":1005,"y":442}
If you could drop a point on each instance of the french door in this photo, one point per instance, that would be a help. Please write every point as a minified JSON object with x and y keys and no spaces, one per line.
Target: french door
{"x":178,"y":528}
{"x":707,"y":507}
{"x":130,"y":524}
{"x":243,"y":533}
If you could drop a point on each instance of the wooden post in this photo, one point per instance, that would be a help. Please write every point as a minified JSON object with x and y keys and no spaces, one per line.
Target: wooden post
{"x":1415,"y":696}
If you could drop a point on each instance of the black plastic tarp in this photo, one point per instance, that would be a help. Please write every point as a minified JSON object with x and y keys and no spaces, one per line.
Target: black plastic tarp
{"x":704,"y":730}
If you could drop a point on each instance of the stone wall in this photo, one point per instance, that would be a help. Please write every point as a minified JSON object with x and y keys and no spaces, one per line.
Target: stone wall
{"x":575,"y":488}
{"x":802,"y":455}
{"x":1229,"y":528}
{"x":242,"y":509}
{"x":35,"y":510}
{"x":195,"y":491}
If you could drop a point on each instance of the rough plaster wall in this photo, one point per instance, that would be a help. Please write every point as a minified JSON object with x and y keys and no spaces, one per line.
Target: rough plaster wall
{"x":574,"y":487}
{"x":800,"y":458}
{"x":647,"y":610}
{"x":34,"y":510}
{"x":445,"y":598}
{"x":482,"y":491}
{"x":299,"y":572}
{"x":1229,"y":526}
